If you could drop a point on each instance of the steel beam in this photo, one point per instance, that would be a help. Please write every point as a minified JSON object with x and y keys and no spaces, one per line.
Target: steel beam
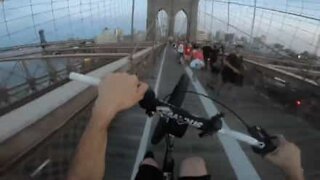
{"x":79,"y":55}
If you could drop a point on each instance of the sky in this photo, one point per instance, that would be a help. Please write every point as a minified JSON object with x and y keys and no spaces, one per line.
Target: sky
{"x":64,"y":19}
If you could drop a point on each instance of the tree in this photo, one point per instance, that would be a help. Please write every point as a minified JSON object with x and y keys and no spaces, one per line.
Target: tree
{"x":278,"y":46}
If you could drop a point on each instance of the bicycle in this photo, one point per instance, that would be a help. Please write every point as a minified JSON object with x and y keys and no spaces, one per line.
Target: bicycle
{"x":174,"y":122}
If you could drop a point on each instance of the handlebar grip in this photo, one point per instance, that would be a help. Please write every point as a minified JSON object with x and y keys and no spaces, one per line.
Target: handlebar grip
{"x":84,"y":78}
{"x":149,"y":102}
{"x":261,"y":135}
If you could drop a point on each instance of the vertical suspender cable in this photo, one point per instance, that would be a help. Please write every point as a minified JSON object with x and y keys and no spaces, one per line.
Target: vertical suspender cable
{"x":211,"y":25}
{"x":33,"y":21}
{"x":253,"y":21}
{"x":132,"y":20}
{"x":228,"y":16}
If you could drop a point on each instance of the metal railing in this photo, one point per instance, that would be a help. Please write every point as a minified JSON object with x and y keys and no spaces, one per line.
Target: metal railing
{"x":28,"y":77}
{"x":47,"y":155}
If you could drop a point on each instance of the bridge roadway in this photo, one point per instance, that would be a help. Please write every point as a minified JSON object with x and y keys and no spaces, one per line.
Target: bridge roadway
{"x":254,"y":107}
{"x":225,"y":160}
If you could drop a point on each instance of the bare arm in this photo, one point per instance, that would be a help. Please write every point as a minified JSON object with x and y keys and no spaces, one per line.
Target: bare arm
{"x":89,"y":162}
{"x":117,"y":92}
{"x":287,"y":157}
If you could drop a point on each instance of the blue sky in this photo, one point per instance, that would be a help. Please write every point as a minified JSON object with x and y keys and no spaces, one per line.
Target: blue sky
{"x":65,"y":19}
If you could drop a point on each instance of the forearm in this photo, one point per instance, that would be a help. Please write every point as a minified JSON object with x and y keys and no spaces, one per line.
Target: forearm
{"x":89,"y":161}
{"x":295,"y":174}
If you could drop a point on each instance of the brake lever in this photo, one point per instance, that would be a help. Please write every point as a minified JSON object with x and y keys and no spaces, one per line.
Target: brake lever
{"x":261,"y":135}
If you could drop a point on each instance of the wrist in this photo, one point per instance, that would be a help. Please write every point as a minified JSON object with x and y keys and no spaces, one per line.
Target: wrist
{"x":294,"y":173}
{"x":104,"y":112}
{"x":101,"y":117}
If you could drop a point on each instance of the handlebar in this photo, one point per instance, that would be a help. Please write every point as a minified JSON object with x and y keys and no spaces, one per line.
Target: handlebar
{"x":260,"y":140}
{"x":207,"y":126}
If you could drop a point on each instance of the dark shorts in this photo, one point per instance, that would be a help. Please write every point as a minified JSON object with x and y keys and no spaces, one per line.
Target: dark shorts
{"x":147,"y":172}
{"x":229,"y":76}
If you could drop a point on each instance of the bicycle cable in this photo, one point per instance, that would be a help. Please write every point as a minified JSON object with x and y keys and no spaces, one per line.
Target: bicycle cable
{"x":244,"y":123}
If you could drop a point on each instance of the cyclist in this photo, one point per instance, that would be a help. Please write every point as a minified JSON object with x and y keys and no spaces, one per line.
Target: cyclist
{"x":121,"y":91}
{"x":180,"y":52}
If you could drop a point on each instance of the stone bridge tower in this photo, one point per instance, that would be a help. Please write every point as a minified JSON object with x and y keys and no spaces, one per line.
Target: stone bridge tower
{"x":172,"y":7}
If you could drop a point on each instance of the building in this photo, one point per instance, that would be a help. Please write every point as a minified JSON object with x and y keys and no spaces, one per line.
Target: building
{"x":263,"y":39}
{"x":109,"y":35}
{"x":229,"y":38}
{"x":219,"y":36}
{"x":202,"y":36}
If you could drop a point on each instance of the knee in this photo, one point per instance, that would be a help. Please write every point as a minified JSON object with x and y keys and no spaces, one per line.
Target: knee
{"x":150,"y":162}
{"x":193,"y":161}
{"x":193,"y":166}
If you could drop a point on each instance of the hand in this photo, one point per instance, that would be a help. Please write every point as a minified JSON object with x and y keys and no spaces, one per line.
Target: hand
{"x":287,"y":157}
{"x":117,"y":92}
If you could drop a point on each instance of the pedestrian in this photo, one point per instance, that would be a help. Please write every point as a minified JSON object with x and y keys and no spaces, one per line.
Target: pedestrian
{"x":214,"y":64}
{"x":197,"y":58}
{"x":207,"y":50}
{"x":197,"y":62}
{"x":180,"y":52}
{"x":187,"y":52}
{"x":232,"y":73}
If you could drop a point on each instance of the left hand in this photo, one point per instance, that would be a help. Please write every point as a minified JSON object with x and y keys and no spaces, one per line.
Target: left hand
{"x":117,"y":92}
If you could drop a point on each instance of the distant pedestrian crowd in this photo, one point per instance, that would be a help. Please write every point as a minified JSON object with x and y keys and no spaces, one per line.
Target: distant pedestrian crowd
{"x":228,"y":67}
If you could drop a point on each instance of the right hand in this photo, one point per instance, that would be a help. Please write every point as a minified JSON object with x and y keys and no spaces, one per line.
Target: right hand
{"x":117,"y":92}
{"x":287,"y":157}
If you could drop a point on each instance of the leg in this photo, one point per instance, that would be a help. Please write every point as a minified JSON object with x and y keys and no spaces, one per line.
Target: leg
{"x":219,"y":85}
{"x":149,"y":169}
{"x":233,"y":94}
{"x":150,"y":162}
{"x":181,"y":59}
{"x":194,"y":75}
{"x":193,"y":167}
